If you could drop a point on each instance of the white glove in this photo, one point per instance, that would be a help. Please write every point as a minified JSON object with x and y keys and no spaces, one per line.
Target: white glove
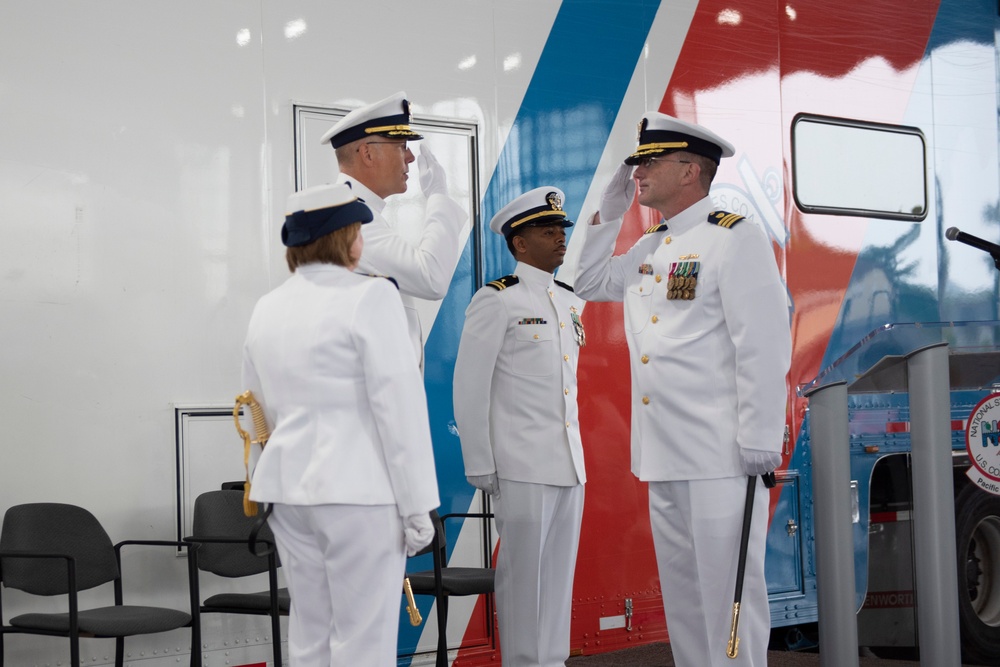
{"x":618,"y":194}
{"x":759,"y":462}
{"x":432,"y":177}
{"x":488,"y":483}
{"x":418,"y":531}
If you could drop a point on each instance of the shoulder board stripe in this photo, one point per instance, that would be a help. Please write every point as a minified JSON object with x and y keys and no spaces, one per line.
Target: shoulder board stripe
{"x":563,"y":285}
{"x":503,"y":283}
{"x":389,"y":278}
{"x":724,"y":219}
{"x":662,"y":227}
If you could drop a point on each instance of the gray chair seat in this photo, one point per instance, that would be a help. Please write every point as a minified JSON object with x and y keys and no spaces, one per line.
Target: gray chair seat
{"x":260,"y":601}
{"x":444,"y":581}
{"x":122,"y":621}
{"x":56,"y":549}
{"x":455,"y":580}
{"x":221,"y":546}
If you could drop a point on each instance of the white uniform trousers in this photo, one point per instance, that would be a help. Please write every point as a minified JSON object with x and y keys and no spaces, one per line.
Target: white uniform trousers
{"x":344,"y":565}
{"x":539,"y":528}
{"x":696,"y":532}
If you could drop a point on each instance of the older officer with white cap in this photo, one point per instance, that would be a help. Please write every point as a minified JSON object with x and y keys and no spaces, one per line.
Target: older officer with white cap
{"x":516,"y":410}
{"x":707,"y":327}
{"x":370,"y":143}
{"x":349,"y":466}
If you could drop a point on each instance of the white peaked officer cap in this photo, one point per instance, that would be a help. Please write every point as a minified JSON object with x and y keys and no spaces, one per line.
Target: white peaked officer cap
{"x":535,"y":208}
{"x":387,"y":118}
{"x":660,"y":134}
{"x":314,"y":212}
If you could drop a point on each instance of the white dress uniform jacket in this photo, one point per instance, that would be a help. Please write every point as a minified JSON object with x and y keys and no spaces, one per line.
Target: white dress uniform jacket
{"x":515,"y":382}
{"x":707,"y":372}
{"x":326,"y":355}
{"x":423,"y":271}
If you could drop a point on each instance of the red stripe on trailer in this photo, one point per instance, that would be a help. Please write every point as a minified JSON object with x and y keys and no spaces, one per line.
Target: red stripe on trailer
{"x":904,"y":427}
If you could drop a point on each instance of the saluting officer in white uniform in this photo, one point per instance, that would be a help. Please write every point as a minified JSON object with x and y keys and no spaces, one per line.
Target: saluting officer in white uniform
{"x":707,"y":327}
{"x":516,"y":410}
{"x":349,"y":465}
{"x":371,"y":149}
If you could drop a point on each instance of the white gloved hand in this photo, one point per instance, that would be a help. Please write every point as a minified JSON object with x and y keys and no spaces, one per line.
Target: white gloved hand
{"x":759,"y":462}
{"x":418,"y":531}
{"x":432,"y":177}
{"x":488,"y":483}
{"x":618,"y":194}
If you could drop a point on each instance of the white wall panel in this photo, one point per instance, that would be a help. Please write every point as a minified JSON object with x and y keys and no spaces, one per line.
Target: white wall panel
{"x":145,"y":157}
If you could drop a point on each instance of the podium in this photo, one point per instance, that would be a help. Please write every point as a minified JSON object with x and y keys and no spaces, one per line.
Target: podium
{"x":927,"y":361}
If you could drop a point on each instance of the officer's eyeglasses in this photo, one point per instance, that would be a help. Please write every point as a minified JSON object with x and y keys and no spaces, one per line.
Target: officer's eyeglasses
{"x":648,"y":161}
{"x":401,"y":145}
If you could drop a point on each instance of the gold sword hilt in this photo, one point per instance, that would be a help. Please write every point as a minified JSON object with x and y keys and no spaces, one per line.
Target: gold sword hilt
{"x":411,"y":604}
{"x":263,"y":433}
{"x":733,"y":648}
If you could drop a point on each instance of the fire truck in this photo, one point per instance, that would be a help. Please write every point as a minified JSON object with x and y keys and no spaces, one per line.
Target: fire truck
{"x":148,"y":149}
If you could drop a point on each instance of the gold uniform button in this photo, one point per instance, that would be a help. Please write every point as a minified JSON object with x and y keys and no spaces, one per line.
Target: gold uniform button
{"x":567,"y":424}
{"x":666,"y":241}
{"x":562,"y":325}
{"x":536,"y":336}
{"x":640,"y":289}
{"x":566,"y":391}
{"x":645,"y":400}
{"x":645,"y":359}
{"x":655,"y":319}
{"x":659,"y":277}
{"x":550,"y":293}
{"x":565,"y":357}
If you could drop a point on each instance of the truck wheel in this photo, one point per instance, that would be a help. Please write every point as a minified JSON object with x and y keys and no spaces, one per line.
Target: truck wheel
{"x":977,"y":529}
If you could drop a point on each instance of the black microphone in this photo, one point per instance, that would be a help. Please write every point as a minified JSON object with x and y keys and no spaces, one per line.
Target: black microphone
{"x":954,"y":234}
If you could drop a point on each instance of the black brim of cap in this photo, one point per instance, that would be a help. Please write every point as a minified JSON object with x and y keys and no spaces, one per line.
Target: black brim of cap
{"x":303,"y":227}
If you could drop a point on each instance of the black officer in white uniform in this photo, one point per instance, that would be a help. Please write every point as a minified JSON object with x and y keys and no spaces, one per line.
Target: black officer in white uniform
{"x":516,"y":410}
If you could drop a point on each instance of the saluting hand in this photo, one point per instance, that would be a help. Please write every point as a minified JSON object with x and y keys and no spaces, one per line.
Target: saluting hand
{"x":618,"y":194}
{"x":432,"y":176}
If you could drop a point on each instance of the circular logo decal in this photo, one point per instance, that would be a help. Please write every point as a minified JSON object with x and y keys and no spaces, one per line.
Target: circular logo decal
{"x":982,"y":443}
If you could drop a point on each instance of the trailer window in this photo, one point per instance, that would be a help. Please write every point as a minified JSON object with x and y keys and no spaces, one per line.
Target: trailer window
{"x":845,"y":167}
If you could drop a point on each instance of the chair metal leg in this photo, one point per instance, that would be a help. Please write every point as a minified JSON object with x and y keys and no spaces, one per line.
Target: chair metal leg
{"x":442,"y":618}
{"x":119,"y":652}
{"x":275,"y":638}
{"x":195,"y":644}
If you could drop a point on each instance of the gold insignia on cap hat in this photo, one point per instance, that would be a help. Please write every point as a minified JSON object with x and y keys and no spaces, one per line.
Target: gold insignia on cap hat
{"x":391,"y":129}
{"x":554,"y":200}
{"x":387,"y":128}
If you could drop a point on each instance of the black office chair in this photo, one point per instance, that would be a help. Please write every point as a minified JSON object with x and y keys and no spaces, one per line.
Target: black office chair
{"x":57,"y":549}
{"x":443,"y":581}
{"x":220,"y":546}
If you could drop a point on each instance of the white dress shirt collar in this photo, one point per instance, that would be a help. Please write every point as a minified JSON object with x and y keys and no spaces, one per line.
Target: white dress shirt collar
{"x":530,"y":274}
{"x":323,"y":267}
{"x":691,"y":216}
{"x":375,"y":203}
